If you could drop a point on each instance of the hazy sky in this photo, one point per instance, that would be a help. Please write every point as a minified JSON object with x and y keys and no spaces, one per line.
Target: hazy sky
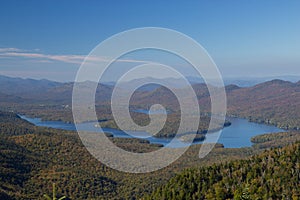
{"x":49,"y":39}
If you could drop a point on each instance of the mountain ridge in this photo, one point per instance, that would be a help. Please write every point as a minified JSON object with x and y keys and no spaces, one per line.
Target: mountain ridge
{"x":273,"y":102}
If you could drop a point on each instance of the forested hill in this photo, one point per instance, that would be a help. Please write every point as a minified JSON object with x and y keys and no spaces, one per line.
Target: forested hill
{"x":11,"y":124}
{"x":275,"y":102}
{"x":274,"y":174}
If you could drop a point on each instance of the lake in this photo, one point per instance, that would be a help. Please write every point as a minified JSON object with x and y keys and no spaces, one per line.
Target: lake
{"x":235,"y":136}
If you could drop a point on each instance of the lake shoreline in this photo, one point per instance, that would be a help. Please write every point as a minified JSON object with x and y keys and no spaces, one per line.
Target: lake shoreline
{"x":237,"y":135}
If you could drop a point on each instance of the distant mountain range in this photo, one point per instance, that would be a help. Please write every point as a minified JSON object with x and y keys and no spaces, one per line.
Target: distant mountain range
{"x":17,"y":86}
{"x":274,"y":102}
{"x":12,"y":86}
{"x":179,"y":83}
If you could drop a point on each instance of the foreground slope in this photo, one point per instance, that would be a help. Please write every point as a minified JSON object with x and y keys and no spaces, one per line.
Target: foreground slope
{"x":273,"y":174}
{"x":32,"y":158}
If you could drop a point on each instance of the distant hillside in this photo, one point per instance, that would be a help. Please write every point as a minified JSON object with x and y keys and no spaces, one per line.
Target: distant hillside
{"x":30,"y":91}
{"x":20,"y":86}
{"x":178,"y":83}
{"x":7,"y":98}
{"x":275,"y":102}
{"x":251,"y":81}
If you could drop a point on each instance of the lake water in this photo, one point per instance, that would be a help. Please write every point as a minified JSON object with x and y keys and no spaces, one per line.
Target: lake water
{"x":235,"y":136}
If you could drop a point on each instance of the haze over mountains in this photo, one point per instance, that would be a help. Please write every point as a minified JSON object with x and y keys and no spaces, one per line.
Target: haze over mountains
{"x":8,"y":84}
{"x":269,"y":102}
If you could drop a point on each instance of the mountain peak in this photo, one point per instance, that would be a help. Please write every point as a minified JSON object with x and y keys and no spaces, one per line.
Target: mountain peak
{"x":231,"y":87}
{"x":275,"y":82}
{"x":278,"y":81}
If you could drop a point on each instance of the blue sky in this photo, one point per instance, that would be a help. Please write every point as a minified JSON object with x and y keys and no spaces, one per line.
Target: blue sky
{"x":49,"y":39}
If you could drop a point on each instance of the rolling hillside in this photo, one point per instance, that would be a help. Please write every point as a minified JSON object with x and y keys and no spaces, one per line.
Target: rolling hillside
{"x":32,"y":158}
{"x":275,"y":102}
{"x":274,"y":174}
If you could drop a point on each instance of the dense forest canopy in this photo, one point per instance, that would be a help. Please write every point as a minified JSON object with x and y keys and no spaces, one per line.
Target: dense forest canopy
{"x":273,"y":174}
{"x":35,"y":157}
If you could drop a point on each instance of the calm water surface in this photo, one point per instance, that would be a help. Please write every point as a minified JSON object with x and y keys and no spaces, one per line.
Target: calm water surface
{"x":235,"y":136}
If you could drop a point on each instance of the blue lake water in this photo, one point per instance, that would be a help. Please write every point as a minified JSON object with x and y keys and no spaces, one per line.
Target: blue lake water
{"x":235,"y":136}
